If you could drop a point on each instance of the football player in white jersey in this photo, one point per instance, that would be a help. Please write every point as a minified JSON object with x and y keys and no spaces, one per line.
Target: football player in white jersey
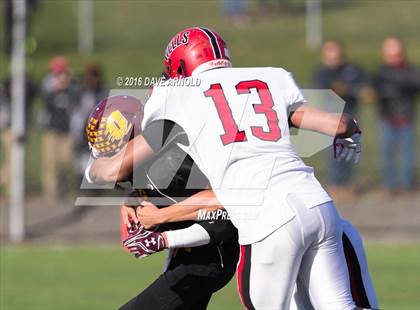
{"x":362,"y":288}
{"x":236,"y":121}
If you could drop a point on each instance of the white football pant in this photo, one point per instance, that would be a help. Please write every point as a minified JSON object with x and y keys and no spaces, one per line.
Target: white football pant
{"x":309,"y":247}
{"x":361,"y":284}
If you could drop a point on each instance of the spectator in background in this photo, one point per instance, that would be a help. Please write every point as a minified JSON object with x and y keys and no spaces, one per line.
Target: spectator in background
{"x":30,"y":93}
{"x":347,"y":81}
{"x":93,"y":92}
{"x":57,"y":65}
{"x":62,"y":96}
{"x":397,"y":83}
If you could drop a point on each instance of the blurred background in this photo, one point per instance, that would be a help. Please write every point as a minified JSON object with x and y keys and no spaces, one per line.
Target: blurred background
{"x":58,"y":256}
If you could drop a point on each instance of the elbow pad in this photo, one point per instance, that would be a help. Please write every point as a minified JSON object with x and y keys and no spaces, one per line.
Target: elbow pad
{"x":219,"y":230}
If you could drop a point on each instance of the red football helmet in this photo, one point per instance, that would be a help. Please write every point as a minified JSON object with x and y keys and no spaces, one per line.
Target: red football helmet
{"x":112,"y":123}
{"x":192,"y":48}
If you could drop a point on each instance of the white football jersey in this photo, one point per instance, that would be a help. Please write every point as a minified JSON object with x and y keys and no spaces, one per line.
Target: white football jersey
{"x":236,"y":120}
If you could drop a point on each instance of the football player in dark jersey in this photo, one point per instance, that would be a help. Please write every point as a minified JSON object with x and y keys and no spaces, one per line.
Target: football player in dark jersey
{"x":199,"y":264}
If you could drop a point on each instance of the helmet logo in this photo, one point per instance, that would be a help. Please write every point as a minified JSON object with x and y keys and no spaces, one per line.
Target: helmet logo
{"x":117,"y":125}
{"x":178,"y":40}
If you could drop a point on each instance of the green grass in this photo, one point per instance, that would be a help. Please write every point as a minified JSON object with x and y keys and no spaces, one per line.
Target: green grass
{"x":79,"y":278}
{"x":396,"y":274}
{"x":39,"y":277}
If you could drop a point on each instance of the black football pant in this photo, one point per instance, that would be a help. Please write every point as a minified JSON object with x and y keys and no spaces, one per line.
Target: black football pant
{"x":193,"y":275}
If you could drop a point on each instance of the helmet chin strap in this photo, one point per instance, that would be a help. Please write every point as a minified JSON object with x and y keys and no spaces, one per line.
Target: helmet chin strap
{"x":212,"y":64}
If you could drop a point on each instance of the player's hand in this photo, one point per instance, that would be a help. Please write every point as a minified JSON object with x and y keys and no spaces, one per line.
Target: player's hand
{"x":149,"y":215}
{"x":142,"y":243}
{"x":128,"y":215}
{"x":348,"y":149}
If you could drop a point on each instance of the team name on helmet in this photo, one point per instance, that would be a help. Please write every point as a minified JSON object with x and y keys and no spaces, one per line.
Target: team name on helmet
{"x":180,"y":39}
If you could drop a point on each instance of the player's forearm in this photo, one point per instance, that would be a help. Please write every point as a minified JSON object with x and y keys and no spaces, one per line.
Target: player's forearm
{"x":108,"y":169}
{"x":188,"y":209}
{"x":120,"y":166}
{"x":102,"y":170}
{"x":178,"y":215}
{"x":332,"y":124}
{"x":192,"y":236}
{"x":181,"y":212}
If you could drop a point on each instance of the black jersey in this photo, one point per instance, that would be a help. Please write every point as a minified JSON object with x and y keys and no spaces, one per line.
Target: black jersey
{"x":172,"y":176}
{"x":192,"y":274}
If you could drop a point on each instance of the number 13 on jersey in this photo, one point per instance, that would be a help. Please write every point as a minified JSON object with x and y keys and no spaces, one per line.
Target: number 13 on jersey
{"x":265,"y":106}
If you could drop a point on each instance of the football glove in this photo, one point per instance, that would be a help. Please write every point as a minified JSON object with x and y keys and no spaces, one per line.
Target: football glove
{"x":142,"y":243}
{"x":348,"y":149}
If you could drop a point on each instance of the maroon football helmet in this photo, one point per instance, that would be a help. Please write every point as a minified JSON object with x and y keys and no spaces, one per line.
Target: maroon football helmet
{"x":192,"y":48}
{"x":112,"y":123}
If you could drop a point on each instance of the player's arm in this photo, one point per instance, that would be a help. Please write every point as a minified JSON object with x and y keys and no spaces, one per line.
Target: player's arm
{"x":188,"y":209}
{"x":343,"y":127}
{"x":206,"y":232}
{"x":118,"y":167}
{"x":140,"y":245}
{"x":155,"y":137}
{"x":333,"y":124}
{"x":192,"y":236}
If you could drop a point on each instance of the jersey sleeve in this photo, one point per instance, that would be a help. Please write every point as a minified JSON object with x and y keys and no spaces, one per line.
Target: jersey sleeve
{"x":161,"y":133}
{"x":293,"y":93}
{"x":154,"y":109}
{"x":219,"y":230}
{"x":291,"y":109}
{"x":293,"y":96}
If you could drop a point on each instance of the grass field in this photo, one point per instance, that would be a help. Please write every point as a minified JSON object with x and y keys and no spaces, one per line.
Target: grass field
{"x":33,"y":277}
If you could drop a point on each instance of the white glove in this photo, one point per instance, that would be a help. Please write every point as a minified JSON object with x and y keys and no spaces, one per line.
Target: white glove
{"x":348,"y":149}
